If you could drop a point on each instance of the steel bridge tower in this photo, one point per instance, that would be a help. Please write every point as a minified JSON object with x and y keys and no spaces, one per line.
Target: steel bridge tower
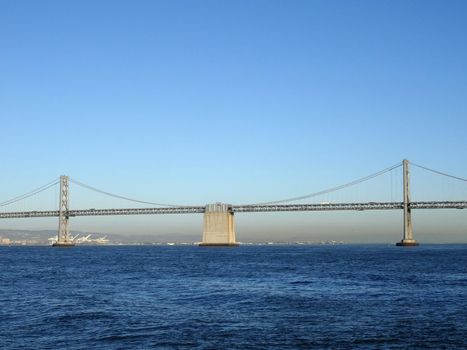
{"x":64,"y":239}
{"x":407,"y":239}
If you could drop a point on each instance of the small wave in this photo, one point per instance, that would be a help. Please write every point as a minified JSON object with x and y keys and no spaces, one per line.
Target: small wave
{"x":301,"y":282}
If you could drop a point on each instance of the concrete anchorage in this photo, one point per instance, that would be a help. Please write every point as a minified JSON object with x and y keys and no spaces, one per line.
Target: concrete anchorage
{"x":219,"y":226}
{"x":407,"y":239}
{"x":63,"y":236}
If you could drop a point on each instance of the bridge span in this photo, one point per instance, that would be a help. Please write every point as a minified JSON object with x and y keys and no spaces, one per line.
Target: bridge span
{"x":219,"y":223}
{"x":239,"y":209}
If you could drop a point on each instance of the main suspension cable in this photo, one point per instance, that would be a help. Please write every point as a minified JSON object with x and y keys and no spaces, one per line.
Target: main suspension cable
{"x":439,"y":172}
{"x":31,"y":193}
{"x":329,"y":190}
{"x":120,"y":197}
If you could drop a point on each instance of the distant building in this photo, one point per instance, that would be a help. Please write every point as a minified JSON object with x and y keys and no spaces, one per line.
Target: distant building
{"x":5,"y":241}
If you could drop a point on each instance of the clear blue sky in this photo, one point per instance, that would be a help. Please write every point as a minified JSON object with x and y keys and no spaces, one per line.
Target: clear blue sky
{"x":238,"y":101}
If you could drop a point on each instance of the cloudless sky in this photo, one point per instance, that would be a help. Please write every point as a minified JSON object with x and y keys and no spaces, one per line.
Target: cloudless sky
{"x":192,"y":102}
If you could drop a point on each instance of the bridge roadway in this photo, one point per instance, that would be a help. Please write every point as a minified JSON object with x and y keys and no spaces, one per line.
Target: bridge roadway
{"x":242,"y":209}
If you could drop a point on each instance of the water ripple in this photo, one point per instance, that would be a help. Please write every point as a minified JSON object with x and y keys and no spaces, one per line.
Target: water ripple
{"x":365,"y":297}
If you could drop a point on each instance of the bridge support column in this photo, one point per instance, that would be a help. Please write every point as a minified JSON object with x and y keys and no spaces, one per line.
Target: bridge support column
{"x":219,"y":226}
{"x":63,"y":228}
{"x":407,"y":239}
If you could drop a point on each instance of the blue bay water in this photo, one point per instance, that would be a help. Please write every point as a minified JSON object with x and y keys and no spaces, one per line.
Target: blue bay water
{"x":251,"y":297}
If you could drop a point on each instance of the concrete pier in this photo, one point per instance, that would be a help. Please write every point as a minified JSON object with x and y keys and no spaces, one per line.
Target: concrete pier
{"x":219,"y":226}
{"x":63,"y":244}
{"x":407,"y":243}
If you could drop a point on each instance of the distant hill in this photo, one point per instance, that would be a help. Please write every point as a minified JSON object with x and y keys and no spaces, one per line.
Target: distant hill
{"x":42,"y":236}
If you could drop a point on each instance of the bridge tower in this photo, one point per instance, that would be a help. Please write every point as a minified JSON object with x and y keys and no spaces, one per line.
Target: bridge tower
{"x":407,"y":239}
{"x":64,"y":239}
{"x":219,"y":226}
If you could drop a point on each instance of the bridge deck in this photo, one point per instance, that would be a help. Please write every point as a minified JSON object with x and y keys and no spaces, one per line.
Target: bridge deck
{"x":242,"y":209}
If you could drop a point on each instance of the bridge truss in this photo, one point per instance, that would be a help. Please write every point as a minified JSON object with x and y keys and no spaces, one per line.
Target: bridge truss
{"x":255,"y":208}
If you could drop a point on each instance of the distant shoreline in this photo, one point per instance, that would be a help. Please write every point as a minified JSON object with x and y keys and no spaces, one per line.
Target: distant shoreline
{"x":256,"y":244}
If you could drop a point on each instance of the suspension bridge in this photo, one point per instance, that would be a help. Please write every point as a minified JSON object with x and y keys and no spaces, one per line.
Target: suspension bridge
{"x":219,"y":223}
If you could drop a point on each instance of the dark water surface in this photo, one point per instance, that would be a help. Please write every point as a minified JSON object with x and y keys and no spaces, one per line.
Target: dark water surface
{"x":263,"y":297}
